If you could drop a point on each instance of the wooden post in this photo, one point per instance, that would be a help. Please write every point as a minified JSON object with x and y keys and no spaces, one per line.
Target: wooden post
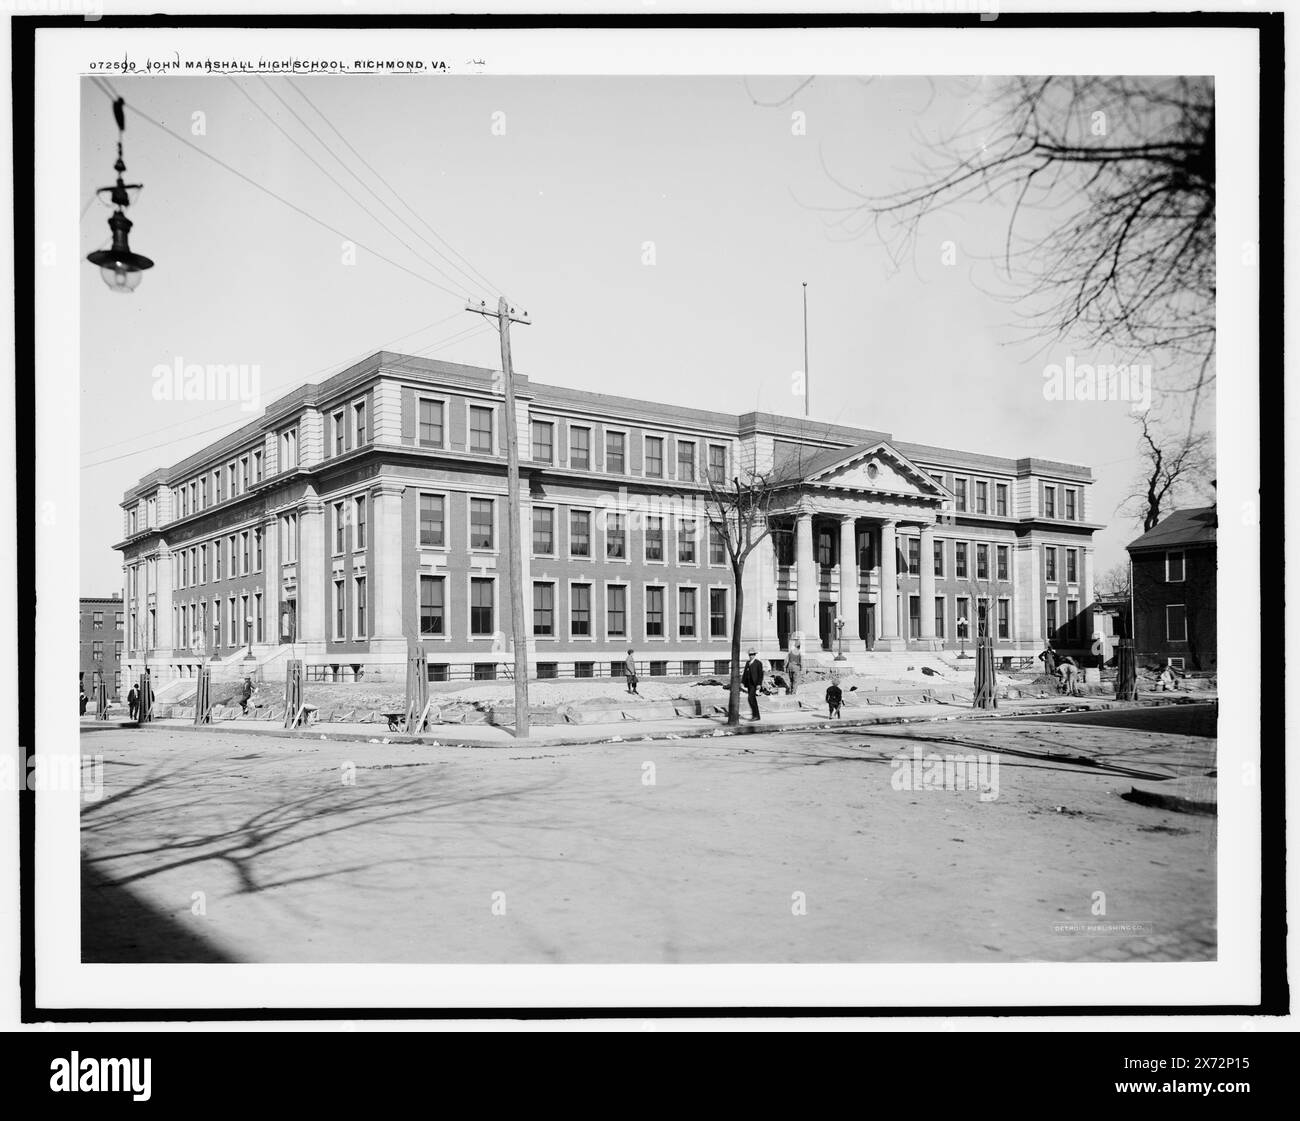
{"x":101,"y":697}
{"x":145,"y":703}
{"x":203,"y":697}
{"x":417,"y":689}
{"x":504,"y":316}
{"x":986,"y":682}
{"x":1125,"y":671}
{"x":293,"y":690}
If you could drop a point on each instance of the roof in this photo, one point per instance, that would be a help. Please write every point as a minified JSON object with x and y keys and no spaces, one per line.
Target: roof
{"x":1182,"y":527}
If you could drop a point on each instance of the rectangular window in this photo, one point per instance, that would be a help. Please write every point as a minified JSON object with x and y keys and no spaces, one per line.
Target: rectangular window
{"x":981,"y":497}
{"x":431,"y":423}
{"x":615,"y":536}
{"x":340,"y":433}
{"x":257,"y":467}
{"x":359,"y":522}
{"x":981,"y":562}
{"x":543,"y":531}
{"x":654,"y":612}
{"x":616,"y":610}
{"x":913,"y":556}
{"x":433,"y":521}
{"x":358,"y":424}
{"x":960,"y":566}
{"x":432,"y":605}
{"x":243,"y":553}
{"x":717,"y":547}
{"x":940,"y":620}
{"x":717,"y":464}
{"x":579,"y":533}
{"x":547,"y":671}
{"x":690,"y":669}
{"x":825,"y":548}
{"x":485,"y":671}
{"x":938,"y":558}
{"x":359,"y":591}
{"x":340,"y":609}
{"x":543,"y":441}
{"x":686,"y":541}
{"x":544,"y":610}
{"x":97,"y":620}
{"x":1049,"y":563}
{"x":1071,"y":505}
{"x":1176,"y":622}
{"x":721,"y":666}
{"x":783,"y":542}
{"x":686,"y":612}
{"x":1004,"y":618}
{"x":654,"y":456}
{"x":340,"y":520}
{"x":959,"y":490}
{"x":1051,"y":618}
{"x":1004,"y":562}
{"x":580,"y":610}
{"x":216,"y":560}
{"x":1072,"y":566}
{"x":481,"y":605}
{"x":480,"y":429}
{"x":584,"y":669}
{"x":579,"y":447}
{"x":654,"y":539}
{"x":1175,"y":568}
{"x":615,"y":453}
{"x":963,"y":617}
{"x":119,"y":621}
{"x":1049,"y":502}
{"x":480,"y":523}
{"x":1000,"y":493}
{"x":686,"y":460}
{"x":288,"y":454}
{"x":718,"y":613}
{"x":257,"y":551}
{"x":439,"y":671}
{"x":914,"y":616}
{"x":97,"y":650}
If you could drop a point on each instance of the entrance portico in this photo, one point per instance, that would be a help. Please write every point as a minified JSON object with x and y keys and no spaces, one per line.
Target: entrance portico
{"x":836,"y":552}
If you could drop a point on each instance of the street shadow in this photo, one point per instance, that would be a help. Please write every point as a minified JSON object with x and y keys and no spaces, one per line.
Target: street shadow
{"x":118,"y":926}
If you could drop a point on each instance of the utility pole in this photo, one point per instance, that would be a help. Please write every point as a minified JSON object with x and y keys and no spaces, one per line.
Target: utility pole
{"x":807,"y":389}
{"x":505,"y":315}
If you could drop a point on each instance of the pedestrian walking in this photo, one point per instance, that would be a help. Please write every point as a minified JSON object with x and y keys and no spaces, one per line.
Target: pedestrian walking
{"x":133,"y":702}
{"x":751,"y":679}
{"x":629,"y":672}
{"x":834,"y":699}
{"x":793,"y":666}
{"x":246,"y":694}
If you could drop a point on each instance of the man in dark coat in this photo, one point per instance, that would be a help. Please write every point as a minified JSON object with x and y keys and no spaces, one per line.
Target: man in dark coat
{"x":794,"y":665}
{"x":751,"y":678}
{"x":133,"y":702}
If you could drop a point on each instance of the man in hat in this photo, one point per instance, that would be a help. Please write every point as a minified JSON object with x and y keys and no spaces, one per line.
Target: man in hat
{"x":629,"y":672}
{"x":794,"y":665}
{"x":752,"y":679}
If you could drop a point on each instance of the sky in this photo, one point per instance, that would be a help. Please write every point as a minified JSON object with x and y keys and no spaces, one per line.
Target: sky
{"x":657,"y":230}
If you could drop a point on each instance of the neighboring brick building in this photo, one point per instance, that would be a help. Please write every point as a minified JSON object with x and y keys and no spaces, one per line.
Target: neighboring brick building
{"x":103,"y":631}
{"x":367,"y":512}
{"x":1175,"y":574}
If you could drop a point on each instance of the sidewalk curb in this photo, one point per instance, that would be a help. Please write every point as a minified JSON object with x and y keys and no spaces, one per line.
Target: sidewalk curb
{"x":712,"y":731}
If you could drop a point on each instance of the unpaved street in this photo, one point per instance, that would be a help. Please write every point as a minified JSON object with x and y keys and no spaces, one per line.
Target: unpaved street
{"x":796,"y":847}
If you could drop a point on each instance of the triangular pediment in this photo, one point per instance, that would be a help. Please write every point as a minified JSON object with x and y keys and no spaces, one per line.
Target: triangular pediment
{"x":877,"y":469}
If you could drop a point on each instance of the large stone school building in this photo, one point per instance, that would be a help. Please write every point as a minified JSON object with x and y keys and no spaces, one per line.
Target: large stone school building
{"x":367,"y":513}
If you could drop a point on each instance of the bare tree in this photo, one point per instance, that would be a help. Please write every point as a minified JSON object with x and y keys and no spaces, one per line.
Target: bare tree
{"x":1173,"y":467}
{"x":1116,"y":580}
{"x":1122,"y":170}
{"x":741,"y":515}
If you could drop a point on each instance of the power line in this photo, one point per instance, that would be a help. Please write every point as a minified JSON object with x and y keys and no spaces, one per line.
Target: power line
{"x":329,"y":175}
{"x":332,"y":368}
{"x":490,"y":285}
{"x":460,"y":336}
{"x":280,"y":198}
{"x":474,"y":278}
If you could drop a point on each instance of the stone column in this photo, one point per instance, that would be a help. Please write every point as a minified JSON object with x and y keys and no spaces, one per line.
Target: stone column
{"x":929,"y":640}
{"x":848,"y":557}
{"x":806,"y":576}
{"x":385,"y":577}
{"x":312,"y":605}
{"x":889,"y":638}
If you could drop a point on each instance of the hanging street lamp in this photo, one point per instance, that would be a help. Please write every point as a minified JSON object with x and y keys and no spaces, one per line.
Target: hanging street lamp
{"x":121,"y":269}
